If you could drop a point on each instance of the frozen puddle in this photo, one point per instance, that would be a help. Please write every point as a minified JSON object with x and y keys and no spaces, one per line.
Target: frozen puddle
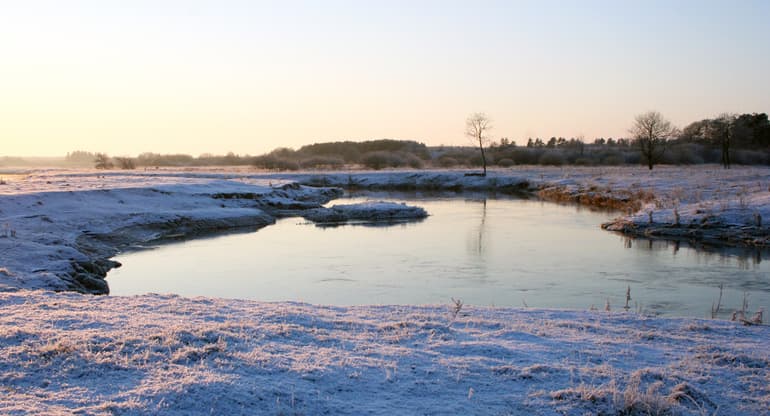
{"x":501,"y":252}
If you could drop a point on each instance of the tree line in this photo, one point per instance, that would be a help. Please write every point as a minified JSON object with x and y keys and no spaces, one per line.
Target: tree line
{"x":744,"y":139}
{"x":727,"y":139}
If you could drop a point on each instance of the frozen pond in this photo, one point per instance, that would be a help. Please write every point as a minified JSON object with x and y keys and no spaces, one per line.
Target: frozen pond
{"x":501,"y":252}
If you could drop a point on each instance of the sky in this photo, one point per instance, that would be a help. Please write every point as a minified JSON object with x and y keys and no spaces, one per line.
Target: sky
{"x":126,"y":77}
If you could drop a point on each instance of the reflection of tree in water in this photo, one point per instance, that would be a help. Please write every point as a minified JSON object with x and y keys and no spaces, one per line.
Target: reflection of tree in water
{"x":476,"y":265}
{"x":746,"y":258}
{"x":476,"y":239}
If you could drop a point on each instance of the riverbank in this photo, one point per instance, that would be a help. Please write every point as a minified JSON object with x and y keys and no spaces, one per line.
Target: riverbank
{"x":159,"y":354}
{"x":60,"y":231}
{"x":702,"y":205}
{"x":60,"y":228}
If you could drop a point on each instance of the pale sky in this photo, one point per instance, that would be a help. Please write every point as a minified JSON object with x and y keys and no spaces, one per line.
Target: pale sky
{"x":133,"y":76}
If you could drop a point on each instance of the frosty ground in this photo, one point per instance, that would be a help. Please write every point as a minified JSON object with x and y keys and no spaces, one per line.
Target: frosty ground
{"x":157,"y":354}
{"x":64,"y":352}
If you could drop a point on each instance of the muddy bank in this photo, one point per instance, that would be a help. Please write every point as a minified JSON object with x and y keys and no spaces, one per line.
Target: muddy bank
{"x":707,"y":234}
{"x":711,"y":230}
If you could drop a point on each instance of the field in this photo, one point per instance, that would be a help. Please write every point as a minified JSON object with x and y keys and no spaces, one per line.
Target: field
{"x":163,"y":354}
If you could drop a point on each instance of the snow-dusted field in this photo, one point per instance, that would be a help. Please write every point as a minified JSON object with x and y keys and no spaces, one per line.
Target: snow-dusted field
{"x":70,"y":353}
{"x":65,"y":352}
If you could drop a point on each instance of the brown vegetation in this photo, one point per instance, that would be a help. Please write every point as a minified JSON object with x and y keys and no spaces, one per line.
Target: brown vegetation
{"x":598,"y":197}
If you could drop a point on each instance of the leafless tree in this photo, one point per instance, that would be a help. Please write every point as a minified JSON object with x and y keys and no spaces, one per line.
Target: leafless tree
{"x":102,"y":161}
{"x":477,"y":127}
{"x":721,"y":130}
{"x":651,"y":131}
{"x":125,"y":163}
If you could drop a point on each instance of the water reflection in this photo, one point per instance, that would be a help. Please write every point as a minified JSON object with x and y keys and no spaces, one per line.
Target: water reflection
{"x":485,"y":251}
{"x":476,"y":236}
{"x":745,"y":258}
{"x":373,"y":224}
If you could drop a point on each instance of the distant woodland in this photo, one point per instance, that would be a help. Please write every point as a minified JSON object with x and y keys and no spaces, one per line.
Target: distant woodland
{"x":742,"y":139}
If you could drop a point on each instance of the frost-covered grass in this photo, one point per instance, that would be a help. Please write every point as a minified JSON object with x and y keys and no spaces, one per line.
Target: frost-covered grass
{"x":70,"y":353}
{"x":63,"y":353}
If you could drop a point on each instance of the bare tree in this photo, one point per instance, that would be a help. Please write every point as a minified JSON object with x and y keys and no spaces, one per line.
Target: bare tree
{"x":102,"y":161}
{"x":721,"y":130}
{"x":651,"y":131}
{"x":477,"y":127}
{"x":125,"y":162}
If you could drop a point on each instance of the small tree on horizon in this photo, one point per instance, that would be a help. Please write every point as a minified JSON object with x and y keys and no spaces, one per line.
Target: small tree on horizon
{"x":721,"y":130}
{"x":651,"y":131}
{"x":477,"y":127}
{"x":125,"y":163}
{"x":102,"y":161}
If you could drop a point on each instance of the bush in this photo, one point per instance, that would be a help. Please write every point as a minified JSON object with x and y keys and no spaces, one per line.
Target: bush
{"x":352,"y":152}
{"x":683,"y":154}
{"x":710,"y":154}
{"x":632,"y":158}
{"x":447,"y":161}
{"x":413,"y":161}
{"x":584,"y":161}
{"x":283,"y":153}
{"x":750,"y":157}
{"x":102,"y":161}
{"x":477,"y":161}
{"x":506,"y":163}
{"x":551,"y":158}
{"x":125,"y":163}
{"x":526,"y":156}
{"x":326,"y":162}
{"x":613,"y":159}
{"x":275,"y":163}
{"x":461,"y":156}
{"x":382,"y":159}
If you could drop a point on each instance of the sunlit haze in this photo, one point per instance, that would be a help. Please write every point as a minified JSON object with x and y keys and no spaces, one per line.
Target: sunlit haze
{"x":126,"y":77}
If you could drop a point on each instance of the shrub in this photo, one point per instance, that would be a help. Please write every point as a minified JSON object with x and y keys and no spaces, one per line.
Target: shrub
{"x":526,"y":156}
{"x":328,"y":162}
{"x":710,"y":154}
{"x":750,"y":157}
{"x":275,"y":163}
{"x":584,"y":161}
{"x":413,"y":161}
{"x":125,"y":163}
{"x":102,"y":161}
{"x":632,"y":158}
{"x":447,"y":161}
{"x":477,"y":161}
{"x":382,"y":159}
{"x":505,"y":162}
{"x":461,"y":156}
{"x":683,"y":154}
{"x":613,"y":159}
{"x":551,"y":158}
